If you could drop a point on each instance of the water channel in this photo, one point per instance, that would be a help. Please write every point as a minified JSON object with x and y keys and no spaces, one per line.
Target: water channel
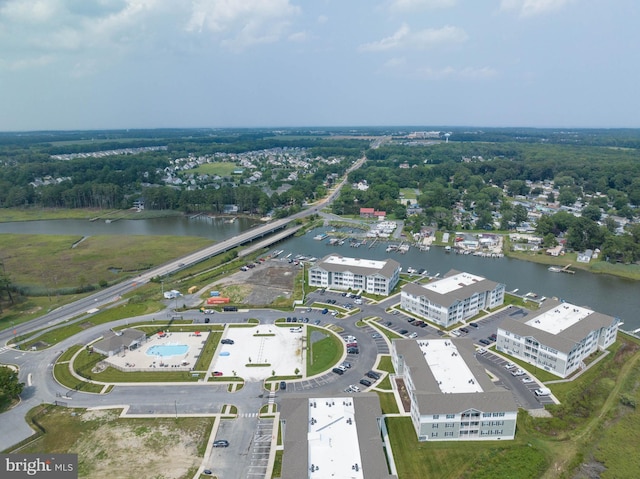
{"x":606,"y":294}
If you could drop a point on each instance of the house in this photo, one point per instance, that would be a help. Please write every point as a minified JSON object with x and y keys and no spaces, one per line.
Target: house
{"x":338,"y":272}
{"x":114,"y":342}
{"x":557,"y":337}
{"x":452,"y":398}
{"x":366,"y":212}
{"x":585,"y":256}
{"x":336,"y":436}
{"x":556,"y":250}
{"x":454,"y":298}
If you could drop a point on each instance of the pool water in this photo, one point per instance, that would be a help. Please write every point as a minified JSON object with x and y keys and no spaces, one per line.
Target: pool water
{"x":166,"y":350}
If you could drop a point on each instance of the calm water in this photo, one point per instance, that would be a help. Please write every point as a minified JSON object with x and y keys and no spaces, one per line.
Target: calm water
{"x":215,"y":228}
{"x":603,"y":293}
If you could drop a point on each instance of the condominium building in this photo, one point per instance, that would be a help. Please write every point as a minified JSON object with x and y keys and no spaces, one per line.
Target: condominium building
{"x":558,"y":337}
{"x":370,"y":276}
{"x":333,"y":437}
{"x":455,"y":298}
{"x":452,"y":398}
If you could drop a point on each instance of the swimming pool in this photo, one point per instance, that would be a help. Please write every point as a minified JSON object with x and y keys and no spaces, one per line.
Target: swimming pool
{"x":166,"y":350}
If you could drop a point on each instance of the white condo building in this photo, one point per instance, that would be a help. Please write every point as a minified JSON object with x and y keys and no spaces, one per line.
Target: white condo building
{"x":455,"y":298}
{"x":558,"y":337}
{"x":371,"y":276}
{"x":339,"y":437}
{"x":452,"y":398}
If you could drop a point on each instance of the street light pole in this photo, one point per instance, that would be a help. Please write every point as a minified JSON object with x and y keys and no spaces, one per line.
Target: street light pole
{"x":176,"y":406}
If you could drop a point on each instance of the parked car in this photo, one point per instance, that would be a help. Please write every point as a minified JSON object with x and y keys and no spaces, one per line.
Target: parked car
{"x":218,"y":373}
{"x":527,"y":380}
{"x":221,"y":443}
{"x":481,"y":351}
{"x":325,"y":311}
{"x":509,"y":366}
{"x":403,"y":331}
{"x":413,"y":335}
{"x":365,"y":382}
{"x":485,"y":342}
{"x":423,"y":324}
{"x":455,"y":332}
{"x":410,"y":320}
{"x":464,"y":330}
{"x":283,"y":385}
{"x":352,"y":345}
{"x":207,"y":471}
{"x":346,"y":364}
{"x":338,"y":371}
{"x":376,"y":335}
{"x":354,"y":388}
{"x":473,"y":325}
{"x":353,"y":351}
{"x":206,"y":320}
{"x":388,"y":323}
{"x":373,"y":375}
{"x":227,"y":341}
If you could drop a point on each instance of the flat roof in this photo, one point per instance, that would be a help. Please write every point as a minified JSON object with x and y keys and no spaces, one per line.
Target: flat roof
{"x":448,"y":367}
{"x":562,"y":317}
{"x":332,"y":436}
{"x":453,"y":283}
{"x":365,"y":263}
{"x":339,"y":437}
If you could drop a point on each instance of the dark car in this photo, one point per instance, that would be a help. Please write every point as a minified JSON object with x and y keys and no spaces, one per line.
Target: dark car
{"x":388,"y":323}
{"x":338,"y":371}
{"x":325,"y":311}
{"x":316,"y":322}
{"x":473,"y":325}
{"x":373,"y":375}
{"x":424,"y":325}
{"x":206,"y":320}
{"x":352,"y":345}
{"x":221,"y":443}
{"x":493,"y":336}
{"x":283,"y":385}
{"x":418,"y":323}
{"x":403,"y":331}
{"x":365,"y":382}
{"x":353,"y":351}
{"x":464,"y":330}
{"x":227,"y":341}
{"x":410,"y":320}
{"x":485,"y":342}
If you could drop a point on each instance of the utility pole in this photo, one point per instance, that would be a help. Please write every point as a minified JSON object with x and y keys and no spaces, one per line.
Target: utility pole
{"x":176,"y":406}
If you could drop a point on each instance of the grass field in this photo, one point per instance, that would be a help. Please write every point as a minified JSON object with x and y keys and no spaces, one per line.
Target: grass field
{"x":219,"y":168}
{"x":50,"y":262}
{"x":324,"y":353}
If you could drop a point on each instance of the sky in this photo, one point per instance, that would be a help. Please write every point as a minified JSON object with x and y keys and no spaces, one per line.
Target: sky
{"x":102,"y":64}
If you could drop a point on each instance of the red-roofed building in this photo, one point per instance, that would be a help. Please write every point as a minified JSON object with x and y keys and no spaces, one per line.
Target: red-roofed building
{"x":367,"y":212}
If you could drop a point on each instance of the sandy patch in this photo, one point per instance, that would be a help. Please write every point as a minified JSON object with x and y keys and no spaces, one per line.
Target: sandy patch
{"x":277,"y":348}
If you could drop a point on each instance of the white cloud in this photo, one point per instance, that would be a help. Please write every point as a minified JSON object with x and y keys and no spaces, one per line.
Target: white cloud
{"x":404,"y":38}
{"x":323,"y":19}
{"x":529,"y":8}
{"x":298,"y":37}
{"x":411,"y":5}
{"x":243,"y":23}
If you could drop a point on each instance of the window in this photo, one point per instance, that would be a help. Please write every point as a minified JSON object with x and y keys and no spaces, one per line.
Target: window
{"x":436,"y":416}
{"x":451,"y":416}
{"x":434,"y":426}
{"x":434,"y":434}
{"x":448,"y":434}
{"x":449,"y":424}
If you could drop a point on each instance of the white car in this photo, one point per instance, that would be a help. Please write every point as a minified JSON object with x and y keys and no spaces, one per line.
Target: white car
{"x":509,"y":366}
{"x":481,"y":351}
{"x":413,"y":335}
{"x":518,"y":372}
{"x":455,"y":332}
{"x":527,"y":380}
{"x":354,"y":388}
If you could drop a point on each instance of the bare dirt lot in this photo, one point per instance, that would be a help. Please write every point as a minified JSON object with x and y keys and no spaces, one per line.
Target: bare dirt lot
{"x":261,"y":285}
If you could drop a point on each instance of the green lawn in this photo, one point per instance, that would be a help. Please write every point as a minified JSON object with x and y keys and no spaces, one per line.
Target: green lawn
{"x":388,"y":403}
{"x":384,"y":364}
{"x":219,"y":168}
{"x":323,"y":354}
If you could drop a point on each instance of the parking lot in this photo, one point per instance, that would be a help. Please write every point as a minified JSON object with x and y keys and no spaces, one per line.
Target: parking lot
{"x":523,"y":392}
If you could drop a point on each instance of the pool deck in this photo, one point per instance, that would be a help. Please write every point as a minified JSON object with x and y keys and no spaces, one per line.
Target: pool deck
{"x":138,"y":360}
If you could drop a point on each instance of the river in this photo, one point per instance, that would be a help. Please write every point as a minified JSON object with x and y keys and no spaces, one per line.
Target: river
{"x":604,"y":293}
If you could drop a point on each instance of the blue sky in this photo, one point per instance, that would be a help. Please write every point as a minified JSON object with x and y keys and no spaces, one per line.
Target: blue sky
{"x":85,"y":64}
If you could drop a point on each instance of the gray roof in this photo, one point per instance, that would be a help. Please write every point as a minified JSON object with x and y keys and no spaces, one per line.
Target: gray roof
{"x":386,"y":271}
{"x":447,"y":299}
{"x":564,"y":341}
{"x":295,"y":413}
{"x":112,"y":341}
{"x":431,"y":400}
